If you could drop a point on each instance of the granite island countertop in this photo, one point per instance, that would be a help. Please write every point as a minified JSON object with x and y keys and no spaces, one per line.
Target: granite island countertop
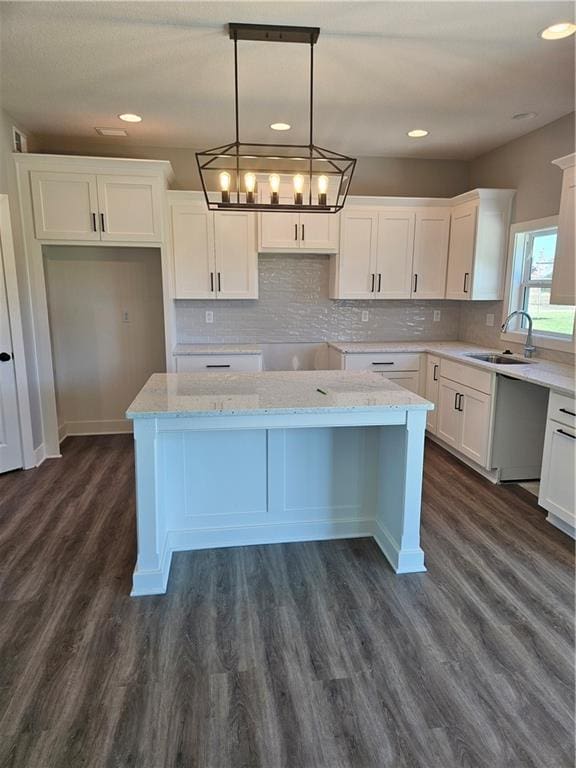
{"x":555,"y":376}
{"x":278,"y":392}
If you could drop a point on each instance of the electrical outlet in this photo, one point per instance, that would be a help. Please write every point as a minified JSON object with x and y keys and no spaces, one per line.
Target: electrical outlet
{"x":436,"y":315}
{"x":490,"y":319}
{"x":365,"y":315}
{"x":209,"y":316}
{"x":125,"y":316}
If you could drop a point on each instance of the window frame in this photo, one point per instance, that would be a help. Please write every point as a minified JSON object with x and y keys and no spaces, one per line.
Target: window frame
{"x":516,"y":284}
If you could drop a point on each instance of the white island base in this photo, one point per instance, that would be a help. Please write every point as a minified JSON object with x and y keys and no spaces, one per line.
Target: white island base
{"x":218,"y":465}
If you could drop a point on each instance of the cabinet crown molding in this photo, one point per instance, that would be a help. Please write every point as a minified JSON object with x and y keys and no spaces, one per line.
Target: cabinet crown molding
{"x":568,"y":161}
{"x":91,"y":164}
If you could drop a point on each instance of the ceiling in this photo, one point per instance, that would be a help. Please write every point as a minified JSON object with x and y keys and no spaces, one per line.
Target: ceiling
{"x":459,"y":69}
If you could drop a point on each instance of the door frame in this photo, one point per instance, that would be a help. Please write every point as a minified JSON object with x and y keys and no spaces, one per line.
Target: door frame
{"x":12,"y":295}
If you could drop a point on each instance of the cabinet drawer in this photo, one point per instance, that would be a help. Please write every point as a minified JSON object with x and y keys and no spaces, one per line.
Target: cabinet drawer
{"x":382,"y":363}
{"x":218,"y":363}
{"x":468,"y":375}
{"x":563,"y":409}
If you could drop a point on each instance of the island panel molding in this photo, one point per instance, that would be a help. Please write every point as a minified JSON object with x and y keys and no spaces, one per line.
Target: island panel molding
{"x":258,"y":458}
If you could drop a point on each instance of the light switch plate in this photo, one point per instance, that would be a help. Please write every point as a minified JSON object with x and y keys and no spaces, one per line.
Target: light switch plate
{"x":490,"y":319}
{"x":365,"y":315}
{"x":437,"y":315}
{"x":209,"y":316}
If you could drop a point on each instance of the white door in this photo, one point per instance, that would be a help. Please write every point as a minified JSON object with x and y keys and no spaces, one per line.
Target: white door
{"x":236,"y":255}
{"x":474,"y":408}
{"x":193,"y":252}
{"x":430,"y":262}
{"x":319,"y":232}
{"x":130,"y":208}
{"x":461,"y":251}
{"x":557,"y":482}
{"x":358,"y":250}
{"x":432,"y":385}
{"x":65,"y":206}
{"x":395,"y":249}
{"x":448,"y":421}
{"x":10,"y":443}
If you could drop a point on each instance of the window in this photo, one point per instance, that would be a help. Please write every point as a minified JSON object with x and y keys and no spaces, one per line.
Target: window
{"x":533,"y":246}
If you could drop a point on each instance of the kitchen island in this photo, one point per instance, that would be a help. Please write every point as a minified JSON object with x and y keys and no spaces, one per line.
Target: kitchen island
{"x":233,"y":459}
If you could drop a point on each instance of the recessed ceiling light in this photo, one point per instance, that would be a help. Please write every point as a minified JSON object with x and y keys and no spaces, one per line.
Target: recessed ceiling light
{"x":128,"y":117}
{"x":417,"y":133}
{"x":111,"y":131}
{"x":280,"y":126}
{"x":524,"y":115}
{"x":558,"y":31}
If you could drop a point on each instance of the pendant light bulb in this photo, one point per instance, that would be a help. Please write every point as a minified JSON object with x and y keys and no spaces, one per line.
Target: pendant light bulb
{"x":250,"y":184}
{"x":224,"y":179}
{"x":322,"y":189}
{"x":274,"y":181}
{"x":298,"y":181}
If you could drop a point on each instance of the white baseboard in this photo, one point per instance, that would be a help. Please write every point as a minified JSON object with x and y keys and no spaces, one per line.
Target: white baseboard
{"x":40,"y":455}
{"x":402,"y":560}
{"x":562,"y":525}
{"x":103,"y":427}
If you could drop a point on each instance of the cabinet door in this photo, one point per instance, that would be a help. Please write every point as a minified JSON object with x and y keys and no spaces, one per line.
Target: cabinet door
{"x":358,"y":250}
{"x":236,"y":255}
{"x":65,"y":206}
{"x":193,"y":252}
{"x":474,"y":408}
{"x":461,"y":251}
{"x":278,"y":232}
{"x":431,"y":237}
{"x":395,"y":250}
{"x":557,"y":481}
{"x":319,"y":232}
{"x":130,"y":208}
{"x":448,"y":419}
{"x":432,"y":385}
{"x":563,"y":289}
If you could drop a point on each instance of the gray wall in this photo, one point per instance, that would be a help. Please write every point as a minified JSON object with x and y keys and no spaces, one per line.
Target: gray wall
{"x":524,"y":164}
{"x":373,"y":176}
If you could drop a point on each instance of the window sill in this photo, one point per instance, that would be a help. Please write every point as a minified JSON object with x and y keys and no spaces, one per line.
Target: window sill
{"x":545,"y":342}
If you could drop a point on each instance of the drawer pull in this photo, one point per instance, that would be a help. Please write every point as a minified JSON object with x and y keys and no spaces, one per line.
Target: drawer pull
{"x":565,"y":410}
{"x":566,"y":434}
{"x":224,"y":365}
{"x":382,"y":363}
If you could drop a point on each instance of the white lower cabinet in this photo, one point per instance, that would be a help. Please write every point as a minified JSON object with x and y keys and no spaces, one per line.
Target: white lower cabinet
{"x":402,"y":367}
{"x":431,"y":391}
{"x":557,"y":494}
{"x":218,"y":363}
{"x":464,"y":419}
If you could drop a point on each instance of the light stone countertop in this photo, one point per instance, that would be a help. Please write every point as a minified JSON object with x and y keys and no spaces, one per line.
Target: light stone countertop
{"x":217,"y":349}
{"x":278,"y":392}
{"x":555,"y":376}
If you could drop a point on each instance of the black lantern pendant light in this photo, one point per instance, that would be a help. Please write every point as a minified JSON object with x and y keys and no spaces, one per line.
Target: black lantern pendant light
{"x":318,"y":179}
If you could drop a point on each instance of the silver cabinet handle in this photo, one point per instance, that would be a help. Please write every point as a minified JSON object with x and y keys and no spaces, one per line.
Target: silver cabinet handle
{"x":566,"y":434}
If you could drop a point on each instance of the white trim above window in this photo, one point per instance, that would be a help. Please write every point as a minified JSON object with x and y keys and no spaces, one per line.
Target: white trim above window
{"x":523,"y":283}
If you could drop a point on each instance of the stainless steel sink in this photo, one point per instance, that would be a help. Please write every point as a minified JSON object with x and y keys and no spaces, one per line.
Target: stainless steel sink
{"x":497,"y":359}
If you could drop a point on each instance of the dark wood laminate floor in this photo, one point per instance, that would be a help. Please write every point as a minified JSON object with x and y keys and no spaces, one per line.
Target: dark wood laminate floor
{"x":309,"y":655}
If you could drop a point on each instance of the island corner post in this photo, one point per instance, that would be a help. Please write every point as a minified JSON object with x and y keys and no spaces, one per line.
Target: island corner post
{"x":288,"y":477}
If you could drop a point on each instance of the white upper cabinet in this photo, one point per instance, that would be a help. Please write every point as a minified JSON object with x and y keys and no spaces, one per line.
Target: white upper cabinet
{"x":288,"y":232}
{"x":193,"y":252}
{"x":130,"y":208}
{"x":478,"y":239}
{"x":563,"y":278}
{"x":461,"y":252}
{"x":431,"y":238}
{"x":92,"y":206}
{"x":214,"y":254}
{"x":395,"y":249}
{"x":236,"y":255}
{"x":65,"y":206}
{"x":354,"y":271}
